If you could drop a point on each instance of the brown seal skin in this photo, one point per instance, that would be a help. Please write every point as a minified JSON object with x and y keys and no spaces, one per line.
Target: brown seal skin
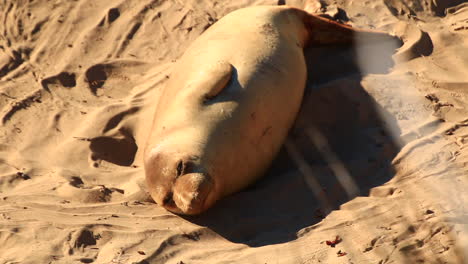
{"x":230,"y":101}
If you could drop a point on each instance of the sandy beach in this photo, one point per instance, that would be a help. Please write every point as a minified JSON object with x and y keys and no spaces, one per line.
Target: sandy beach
{"x":382,"y":132}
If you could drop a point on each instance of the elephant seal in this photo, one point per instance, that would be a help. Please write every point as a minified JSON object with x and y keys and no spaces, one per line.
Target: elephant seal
{"x":230,"y":102}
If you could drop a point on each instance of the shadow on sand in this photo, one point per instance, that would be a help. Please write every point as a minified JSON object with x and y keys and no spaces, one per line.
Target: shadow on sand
{"x":339,"y":148}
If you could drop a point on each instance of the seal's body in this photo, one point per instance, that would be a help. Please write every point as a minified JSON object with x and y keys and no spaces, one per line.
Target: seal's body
{"x":230,"y":101}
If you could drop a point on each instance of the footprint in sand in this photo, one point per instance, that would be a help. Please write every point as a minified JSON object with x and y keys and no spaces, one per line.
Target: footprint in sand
{"x":120,"y":149}
{"x":64,"y":79}
{"x":80,"y":245}
{"x":112,"y":79}
{"x":111,"y":16}
{"x":117,"y":145}
{"x":75,"y":189}
{"x":96,"y":76}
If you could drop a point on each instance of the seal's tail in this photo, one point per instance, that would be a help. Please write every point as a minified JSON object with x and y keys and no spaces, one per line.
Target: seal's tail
{"x":325,"y":31}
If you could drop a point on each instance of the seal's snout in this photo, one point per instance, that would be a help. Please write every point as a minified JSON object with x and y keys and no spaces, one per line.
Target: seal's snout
{"x":191,"y":192}
{"x":178,"y":182}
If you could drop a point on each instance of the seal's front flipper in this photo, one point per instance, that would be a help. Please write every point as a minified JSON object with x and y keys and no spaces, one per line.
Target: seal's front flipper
{"x":324,"y":31}
{"x":211,"y":80}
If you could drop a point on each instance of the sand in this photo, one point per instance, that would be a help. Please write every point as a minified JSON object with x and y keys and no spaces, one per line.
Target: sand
{"x":378,"y":155}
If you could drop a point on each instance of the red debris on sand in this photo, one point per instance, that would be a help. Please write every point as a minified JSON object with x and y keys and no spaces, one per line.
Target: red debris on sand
{"x":333,"y":243}
{"x":341,"y":253}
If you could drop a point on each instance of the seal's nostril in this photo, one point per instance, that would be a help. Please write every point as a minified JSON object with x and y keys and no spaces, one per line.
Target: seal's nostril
{"x":168,"y":200}
{"x":185,"y":167}
{"x":189,"y":167}
{"x":180,"y":168}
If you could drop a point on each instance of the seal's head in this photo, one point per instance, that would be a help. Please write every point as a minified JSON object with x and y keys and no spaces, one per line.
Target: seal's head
{"x":178,"y":181}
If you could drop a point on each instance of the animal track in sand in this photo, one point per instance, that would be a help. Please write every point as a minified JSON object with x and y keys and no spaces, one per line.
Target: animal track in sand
{"x":129,"y":37}
{"x":11,"y":180}
{"x":76,"y":181}
{"x":83,"y":238}
{"x":116,"y":119}
{"x":111,"y":16}
{"x":168,"y":244}
{"x":120,"y":149}
{"x":412,"y":8}
{"x":12,"y":61}
{"x":80,"y":242}
{"x":77,"y":188}
{"x":64,"y":79}
{"x":96,"y":76}
{"x":22,"y":104}
{"x":81,"y":193}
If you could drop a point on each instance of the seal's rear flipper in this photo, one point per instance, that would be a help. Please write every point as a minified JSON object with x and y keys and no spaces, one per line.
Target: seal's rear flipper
{"x":324,"y":31}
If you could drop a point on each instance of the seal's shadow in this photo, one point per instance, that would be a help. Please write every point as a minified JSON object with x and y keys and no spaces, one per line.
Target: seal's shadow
{"x":339,"y":124}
